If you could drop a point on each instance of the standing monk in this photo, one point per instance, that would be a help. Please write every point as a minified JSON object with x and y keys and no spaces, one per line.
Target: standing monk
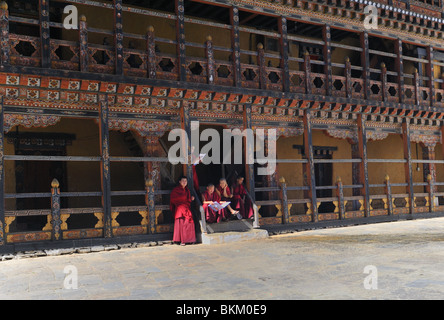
{"x":180,"y":205}
{"x":240,"y":200}
{"x":225,"y":195}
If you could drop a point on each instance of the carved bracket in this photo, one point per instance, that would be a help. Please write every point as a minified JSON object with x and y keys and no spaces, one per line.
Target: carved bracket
{"x":144,"y":128}
{"x":29,"y":121}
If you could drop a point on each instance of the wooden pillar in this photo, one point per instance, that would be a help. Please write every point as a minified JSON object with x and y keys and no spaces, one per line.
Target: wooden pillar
{"x":340,"y":195}
{"x":431,"y":75}
{"x":180,"y":38}
{"x":2,"y":176}
{"x":310,"y":167}
{"x":249,"y":153}
{"x":235,"y":45}
{"x":348,"y":81}
{"x":365,"y":63}
{"x":326,"y":35}
{"x":4,"y":34}
{"x":270,"y":180}
{"x":442,"y":83}
{"x":261,"y":63}
{"x":83,"y":44}
{"x":105,"y":164}
{"x":209,"y":54}
{"x":284,"y":200}
{"x":428,"y":153}
{"x":44,"y":33}
{"x":307,"y":71}
{"x":399,"y":65}
{"x":186,"y":143}
{"x":151,"y":205}
{"x":55,"y":211}
{"x":151,"y":58}
{"x":356,"y":170}
{"x":388,"y":192}
{"x":416,"y":84}
{"x":430,"y":190}
{"x":384,"y":82}
{"x":118,"y":36}
{"x":282,"y":23}
{"x":408,"y":163}
{"x":362,"y":143}
{"x":442,"y":142}
{"x":153,"y":149}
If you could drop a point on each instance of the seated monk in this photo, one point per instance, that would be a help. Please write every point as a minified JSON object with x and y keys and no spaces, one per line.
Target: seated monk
{"x":225,"y":195}
{"x":241,"y":201}
{"x":209,"y":197}
{"x":180,"y":205}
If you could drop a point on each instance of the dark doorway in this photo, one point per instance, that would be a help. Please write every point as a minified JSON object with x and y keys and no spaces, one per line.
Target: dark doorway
{"x":323,"y":174}
{"x":36,"y":176}
{"x":324,"y":177}
{"x":211,"y":173}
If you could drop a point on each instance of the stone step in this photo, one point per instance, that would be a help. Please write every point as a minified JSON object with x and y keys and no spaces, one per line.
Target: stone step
{"x":229,"y":237}
{"x":233,"y":225}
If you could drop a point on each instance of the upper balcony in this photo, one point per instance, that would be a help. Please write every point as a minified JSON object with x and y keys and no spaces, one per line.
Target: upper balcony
{"x":227,"y":46}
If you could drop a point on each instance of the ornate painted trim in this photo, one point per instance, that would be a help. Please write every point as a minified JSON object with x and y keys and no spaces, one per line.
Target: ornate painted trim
{"x":350,"y":135}
{"x":144,"y":128}
{"x":29,"y":121}
{"x":427,"y":140}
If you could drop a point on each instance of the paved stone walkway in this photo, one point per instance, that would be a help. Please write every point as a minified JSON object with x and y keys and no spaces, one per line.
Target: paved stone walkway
{"x":318,"y":264}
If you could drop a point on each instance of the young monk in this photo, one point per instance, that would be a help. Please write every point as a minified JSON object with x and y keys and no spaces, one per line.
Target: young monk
{"x":240,"y":200}
{"x":225,"y":195}
{"x":209,"y":197}
{"x":180,"y":205}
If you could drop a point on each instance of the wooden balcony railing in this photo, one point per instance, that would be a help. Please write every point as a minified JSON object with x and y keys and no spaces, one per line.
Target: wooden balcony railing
{"x":290,"y":210}
{"x":155,"y":216}
{"x":265,"y":70}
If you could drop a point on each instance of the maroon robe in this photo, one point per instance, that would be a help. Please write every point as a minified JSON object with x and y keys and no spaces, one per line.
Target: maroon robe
{"x":211,"y":215}
{"x":241,"y":202}
{"x":226,"y":214}
{"x":180,"y":205}
{"x":195,"y":180}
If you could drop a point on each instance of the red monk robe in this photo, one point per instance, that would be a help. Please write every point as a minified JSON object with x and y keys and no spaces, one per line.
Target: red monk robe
{"x":240,"y":200}
{"x":180,"y":205}
{"x":211,"y":215}
{"x":225,"y":195}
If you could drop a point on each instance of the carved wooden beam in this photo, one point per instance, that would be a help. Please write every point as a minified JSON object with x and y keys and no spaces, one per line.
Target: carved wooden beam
{"x":310,"y":169}
{"x":408,"y":164}
{"x":362,"y":145}
{"x":44,"y":33}
{"x":105,"y":164}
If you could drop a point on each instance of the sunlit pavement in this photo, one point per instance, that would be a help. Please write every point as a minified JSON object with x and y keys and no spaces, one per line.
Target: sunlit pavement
{"x":397,"y":260}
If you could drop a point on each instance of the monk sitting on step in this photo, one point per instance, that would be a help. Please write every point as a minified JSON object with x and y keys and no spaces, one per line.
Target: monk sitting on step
{"x":225,"y":195}
{"x":209,"y":197}
{"x":240,"y":199}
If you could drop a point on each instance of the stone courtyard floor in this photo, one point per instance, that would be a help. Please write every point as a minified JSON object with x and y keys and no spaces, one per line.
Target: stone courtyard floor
{"x":405,"y":259}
